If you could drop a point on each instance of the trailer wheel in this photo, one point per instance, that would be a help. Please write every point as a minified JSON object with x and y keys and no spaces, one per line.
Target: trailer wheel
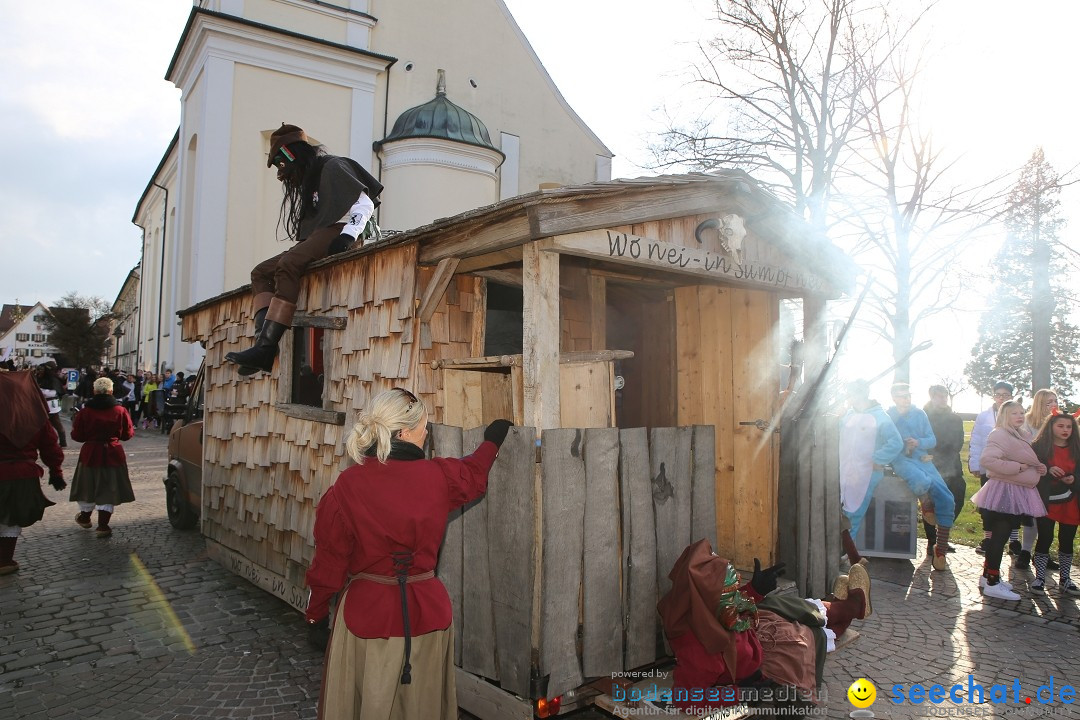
{"x":181,"y":516}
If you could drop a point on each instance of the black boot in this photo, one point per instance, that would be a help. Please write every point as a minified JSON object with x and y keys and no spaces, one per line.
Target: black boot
{"x":260,"y":317}
{"x":261,"y":356}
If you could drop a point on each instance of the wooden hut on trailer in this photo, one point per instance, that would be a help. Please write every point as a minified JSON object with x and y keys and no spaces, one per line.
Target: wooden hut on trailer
{"x":630,"y":328}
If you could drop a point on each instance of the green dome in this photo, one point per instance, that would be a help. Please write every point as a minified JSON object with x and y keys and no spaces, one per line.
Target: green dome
{"x":440,"y":118}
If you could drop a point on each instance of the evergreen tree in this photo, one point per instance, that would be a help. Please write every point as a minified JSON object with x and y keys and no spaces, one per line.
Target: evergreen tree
{"x":1025,"y":336}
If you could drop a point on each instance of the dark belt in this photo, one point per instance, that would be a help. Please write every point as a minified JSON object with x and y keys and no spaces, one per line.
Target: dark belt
{"x":403,"y":561}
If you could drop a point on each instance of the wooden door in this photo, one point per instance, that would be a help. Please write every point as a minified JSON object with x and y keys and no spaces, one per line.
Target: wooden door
{"x":727,"y":376}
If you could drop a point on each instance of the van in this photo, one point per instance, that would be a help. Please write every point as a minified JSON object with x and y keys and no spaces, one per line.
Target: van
{"x":183,"y":475}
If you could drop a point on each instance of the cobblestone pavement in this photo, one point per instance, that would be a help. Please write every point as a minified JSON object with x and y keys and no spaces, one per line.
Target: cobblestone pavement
{"x":144,"y":625}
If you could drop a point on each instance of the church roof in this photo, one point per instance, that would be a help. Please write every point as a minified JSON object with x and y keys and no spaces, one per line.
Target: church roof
{"x":439,"y":118}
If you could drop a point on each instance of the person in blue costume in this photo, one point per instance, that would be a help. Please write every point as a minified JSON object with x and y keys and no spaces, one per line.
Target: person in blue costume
{"x":915,"y":465}
{"x":868,"y":442}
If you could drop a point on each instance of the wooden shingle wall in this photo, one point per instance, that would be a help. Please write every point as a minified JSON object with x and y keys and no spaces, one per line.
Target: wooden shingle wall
{"x":265,"y":470}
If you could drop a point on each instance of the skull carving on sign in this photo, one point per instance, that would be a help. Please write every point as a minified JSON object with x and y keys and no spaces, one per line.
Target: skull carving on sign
{"x":731,"y":230}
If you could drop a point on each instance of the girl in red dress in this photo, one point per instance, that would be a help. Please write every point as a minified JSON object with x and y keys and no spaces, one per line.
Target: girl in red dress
{"x":1058,"y":447}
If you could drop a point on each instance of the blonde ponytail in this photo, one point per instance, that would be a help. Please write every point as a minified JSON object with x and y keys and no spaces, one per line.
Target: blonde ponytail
{"x":389,"y":412}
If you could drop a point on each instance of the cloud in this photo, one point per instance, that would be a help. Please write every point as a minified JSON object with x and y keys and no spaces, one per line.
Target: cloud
{"x":87,"y":117}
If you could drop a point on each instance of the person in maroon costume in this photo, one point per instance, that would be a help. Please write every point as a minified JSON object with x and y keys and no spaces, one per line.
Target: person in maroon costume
{"x":726,"y":635}
{"x":378,"y":530}
{"x":101,"y":477}
{"x":25,"y":433}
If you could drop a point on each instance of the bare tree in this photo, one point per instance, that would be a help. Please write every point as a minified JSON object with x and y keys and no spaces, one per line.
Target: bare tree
{"x":823,"y":112}
{"x":795,"y":74}
{"x":909,"y":223}
{"x":952,"y":384}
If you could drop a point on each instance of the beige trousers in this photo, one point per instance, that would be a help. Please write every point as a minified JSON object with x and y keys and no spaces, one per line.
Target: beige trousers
{"x":362,"y":677}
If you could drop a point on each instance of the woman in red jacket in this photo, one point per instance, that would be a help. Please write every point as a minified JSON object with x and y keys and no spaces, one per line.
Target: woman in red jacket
{"x":378,"y":530}
{"x":101,"y":477}
{"x":1058,"y":447}
{"x":25,"y":432}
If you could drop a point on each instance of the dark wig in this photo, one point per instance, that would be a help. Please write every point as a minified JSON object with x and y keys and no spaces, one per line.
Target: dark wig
{"x":300,"y":182}
{"x":1043,"y":444}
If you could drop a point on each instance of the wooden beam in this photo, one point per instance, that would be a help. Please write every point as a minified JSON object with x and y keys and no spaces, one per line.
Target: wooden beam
{"x":540,"y":356}
{"x":327,"y":322}
{"x":307,"y":412}
{"x":466,"y":240}
{"x":503,"y":277}
{"x":480,"y":698}
{"x":657,"y":255}
{"x":433,"y":293}
{"x":488,"y":260}
{"x":592,"y":211}
{"x":494,"y":361}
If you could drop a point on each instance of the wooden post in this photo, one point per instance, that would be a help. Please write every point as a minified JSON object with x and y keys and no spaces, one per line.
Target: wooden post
{"x":540,"y":352}
{"x":598,"y":311}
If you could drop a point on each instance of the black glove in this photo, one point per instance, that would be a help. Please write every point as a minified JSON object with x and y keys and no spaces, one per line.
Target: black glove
{"x":764,"y":581}
{"x":57,"y":481}
{"x":340,"y":244}
{"x":496,"y":431}
{"x":318,"y":633}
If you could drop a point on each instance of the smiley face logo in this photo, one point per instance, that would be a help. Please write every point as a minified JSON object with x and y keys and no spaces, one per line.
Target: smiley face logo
{"x":862,"y":693}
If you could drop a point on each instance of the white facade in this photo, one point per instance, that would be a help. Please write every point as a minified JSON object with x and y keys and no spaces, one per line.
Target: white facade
{"x":125,"y":346}
{"x":343,"y":72}
{"x":27,"y":341}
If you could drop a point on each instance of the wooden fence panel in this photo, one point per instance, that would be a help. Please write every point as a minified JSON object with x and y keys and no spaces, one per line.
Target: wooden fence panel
{"x":446,"y":442}
{"x":602,"y":641}
{"x":832,"y":544}
{"x":638,"y":549}
{"x":511,"y":514}
{"x":703,"y":500}
{"x":478,"y":652}
{"x":816,"y":550}
{"x":670,"y":497}
{"x":563,"y":522}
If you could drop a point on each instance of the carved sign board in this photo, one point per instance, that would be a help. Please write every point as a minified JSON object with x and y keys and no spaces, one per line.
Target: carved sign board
{"x":646,"y":252}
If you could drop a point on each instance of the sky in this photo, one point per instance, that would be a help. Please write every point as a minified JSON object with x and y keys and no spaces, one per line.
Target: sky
{"x":87,"y":115}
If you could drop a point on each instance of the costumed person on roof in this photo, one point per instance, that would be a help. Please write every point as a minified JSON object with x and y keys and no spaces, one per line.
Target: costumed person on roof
{"x":25,"y":433}
{"x":727,"y":635}
{"x":329,"y":202}
{"x":377,"y":532}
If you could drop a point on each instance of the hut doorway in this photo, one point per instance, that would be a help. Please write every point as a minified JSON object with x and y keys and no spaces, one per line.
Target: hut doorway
{"x":642,"y":319}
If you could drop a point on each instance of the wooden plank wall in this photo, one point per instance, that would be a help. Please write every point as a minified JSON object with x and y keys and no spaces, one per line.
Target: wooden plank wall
{"x":725,"y":361}
{"x":577,"y":308}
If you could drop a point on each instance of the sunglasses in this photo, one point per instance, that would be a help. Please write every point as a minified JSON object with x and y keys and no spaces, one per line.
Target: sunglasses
{"x":408,"y":395}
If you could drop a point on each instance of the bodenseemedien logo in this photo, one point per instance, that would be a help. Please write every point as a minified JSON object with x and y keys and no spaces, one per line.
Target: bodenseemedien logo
{"x":862,"y":694}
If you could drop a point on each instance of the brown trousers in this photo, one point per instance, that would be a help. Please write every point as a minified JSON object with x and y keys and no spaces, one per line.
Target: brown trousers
{"x":281,"y":274}
{"x":362,"y":677}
